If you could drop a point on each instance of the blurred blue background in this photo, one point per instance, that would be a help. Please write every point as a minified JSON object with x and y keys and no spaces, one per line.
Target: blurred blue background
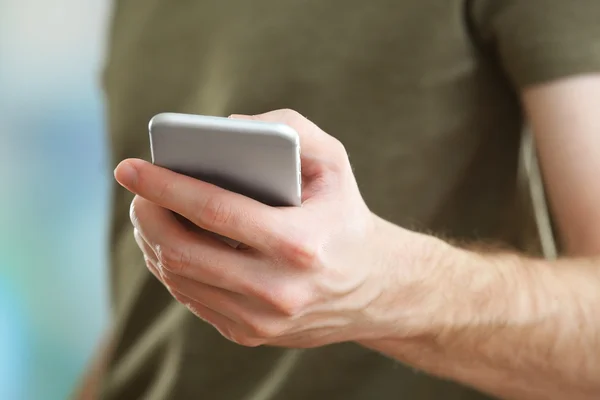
{"x":53,"y":206}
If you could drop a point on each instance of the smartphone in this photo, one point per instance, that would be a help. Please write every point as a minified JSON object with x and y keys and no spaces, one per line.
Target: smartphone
{"x":259,"y":160}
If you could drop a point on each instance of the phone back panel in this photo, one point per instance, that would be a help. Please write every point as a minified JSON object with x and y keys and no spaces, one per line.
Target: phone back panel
{"x":257,"y":159}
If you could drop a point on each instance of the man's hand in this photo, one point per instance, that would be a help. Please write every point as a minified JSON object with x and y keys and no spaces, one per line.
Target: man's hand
{"x":312,"y":275}
{"x":331,"y":271}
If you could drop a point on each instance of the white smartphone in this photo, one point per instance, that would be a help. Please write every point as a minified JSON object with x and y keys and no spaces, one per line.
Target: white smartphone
{"x":257,"y":159}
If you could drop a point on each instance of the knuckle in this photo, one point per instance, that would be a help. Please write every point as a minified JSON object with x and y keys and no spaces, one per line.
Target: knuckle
{"x":338,"y":148}
{"x":236,"y":334}
{"x":288,"y":300}
{"x":165,"y":255}
{"x":214,"y":212}
{"x":164,"y":190}
{"x":176,"y":260}
{"x":262,"y":329}
{"x":338,"y":156}
{"x":288,"y":116}
{"x":291,"y":114}
{"x":303,"y":252}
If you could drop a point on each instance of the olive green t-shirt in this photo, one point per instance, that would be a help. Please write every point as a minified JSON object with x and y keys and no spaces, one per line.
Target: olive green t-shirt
{"x":424,"y":94}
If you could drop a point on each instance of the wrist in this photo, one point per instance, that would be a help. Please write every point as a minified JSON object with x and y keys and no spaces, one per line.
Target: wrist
{"x":422,"y":284}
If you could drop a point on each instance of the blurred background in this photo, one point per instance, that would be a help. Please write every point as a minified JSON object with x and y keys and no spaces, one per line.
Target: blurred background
{"x":54,"y":194}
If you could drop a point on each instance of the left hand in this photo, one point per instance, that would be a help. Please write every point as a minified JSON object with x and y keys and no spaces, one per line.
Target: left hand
{"x":312,"y":275}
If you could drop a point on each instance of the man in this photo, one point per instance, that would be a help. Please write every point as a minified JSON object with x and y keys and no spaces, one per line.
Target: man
{"x":343,"y":298}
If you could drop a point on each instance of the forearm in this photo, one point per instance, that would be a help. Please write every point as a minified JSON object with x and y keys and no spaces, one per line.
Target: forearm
{"x":508,"y":325}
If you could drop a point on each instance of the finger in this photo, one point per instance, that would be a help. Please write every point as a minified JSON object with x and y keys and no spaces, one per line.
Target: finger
{"x":192,"y":255}
{"x":323,"y":158}
{"x":223,"y":324}
{"x":230,"y":329}
{"x":318,"y":149}
{"x":312,"y":139}
{"x":222,"y":301}
{"x":143,"y":245}
{"x":153,"y":268}
{"x":212,"y":208}
{"x":206,"y":313}
{"x":149,"y":255}
{"x":237,"y":307}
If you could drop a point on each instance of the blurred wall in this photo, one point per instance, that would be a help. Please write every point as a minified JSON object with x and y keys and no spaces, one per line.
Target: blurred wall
{"x":53,"y":194}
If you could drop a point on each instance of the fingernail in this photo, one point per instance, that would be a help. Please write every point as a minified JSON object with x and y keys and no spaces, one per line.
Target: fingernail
{"x":126,"y":174}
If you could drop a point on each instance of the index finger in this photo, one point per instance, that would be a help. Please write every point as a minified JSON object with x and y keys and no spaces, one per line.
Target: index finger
{"x":208,"y":206}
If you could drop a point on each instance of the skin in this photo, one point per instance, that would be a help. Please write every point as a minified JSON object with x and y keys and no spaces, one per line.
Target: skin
{"x":332,"y":271}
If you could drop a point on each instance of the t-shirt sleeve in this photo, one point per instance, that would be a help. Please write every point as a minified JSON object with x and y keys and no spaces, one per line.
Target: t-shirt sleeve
{"x":538,"y":41}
